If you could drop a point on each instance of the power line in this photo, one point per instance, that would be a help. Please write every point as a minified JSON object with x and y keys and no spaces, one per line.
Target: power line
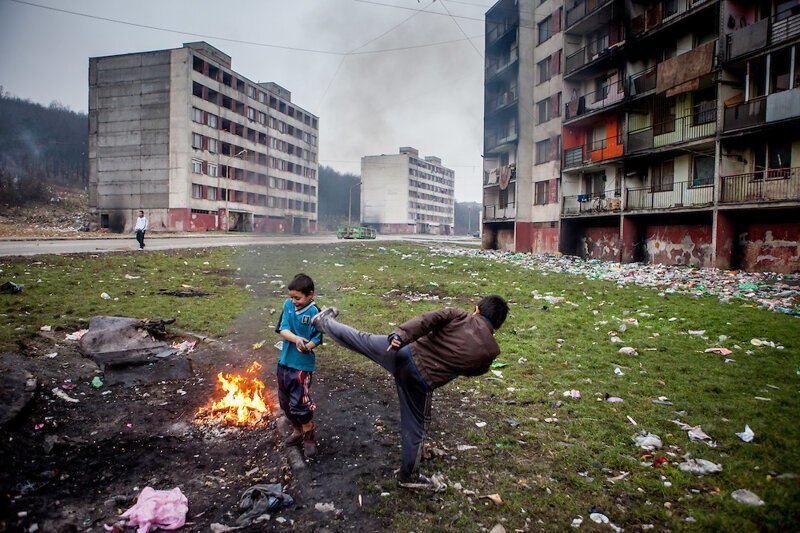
{"x":228,"y":39}
{"x":460,"y":28}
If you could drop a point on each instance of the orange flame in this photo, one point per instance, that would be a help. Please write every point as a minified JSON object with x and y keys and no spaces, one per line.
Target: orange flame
{"x":243,"y":403}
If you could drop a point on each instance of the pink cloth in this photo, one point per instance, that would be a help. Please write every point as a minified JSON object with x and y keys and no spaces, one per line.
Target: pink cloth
{"x":165,"y":509}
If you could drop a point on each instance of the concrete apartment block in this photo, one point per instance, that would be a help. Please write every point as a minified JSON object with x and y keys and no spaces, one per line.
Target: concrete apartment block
{"x":403,"y":193}
{"x":197,"y":146}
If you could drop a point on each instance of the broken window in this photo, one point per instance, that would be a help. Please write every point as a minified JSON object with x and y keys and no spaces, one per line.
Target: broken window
{"x":703,"y":170}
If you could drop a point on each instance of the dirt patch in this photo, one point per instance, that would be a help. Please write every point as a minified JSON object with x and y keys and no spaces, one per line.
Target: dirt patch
{"x":79,"y":465}
{"x":187,"y":293}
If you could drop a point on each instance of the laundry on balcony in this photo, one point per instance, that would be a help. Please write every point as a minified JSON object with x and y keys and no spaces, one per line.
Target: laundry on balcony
{"x":506,"y":173}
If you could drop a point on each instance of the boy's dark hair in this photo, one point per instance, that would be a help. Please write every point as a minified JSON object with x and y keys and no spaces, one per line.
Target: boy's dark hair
{"x":494,"y":308}
{"x":302,"y":283}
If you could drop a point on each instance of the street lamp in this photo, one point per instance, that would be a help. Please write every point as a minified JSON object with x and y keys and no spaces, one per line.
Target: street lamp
{"x":227,"y":186}
{"x":350,"y":201}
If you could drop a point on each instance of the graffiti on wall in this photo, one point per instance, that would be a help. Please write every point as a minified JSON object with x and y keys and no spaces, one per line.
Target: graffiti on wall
{"x":776,"y":249}
{"x":679,"y":245}
{"x":600,"y":243}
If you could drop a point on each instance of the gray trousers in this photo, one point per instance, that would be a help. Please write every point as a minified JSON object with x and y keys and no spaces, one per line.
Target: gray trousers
{"x":412,"y":391}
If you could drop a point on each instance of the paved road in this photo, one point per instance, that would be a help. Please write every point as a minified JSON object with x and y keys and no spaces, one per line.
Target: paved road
{"x":169,"y":242}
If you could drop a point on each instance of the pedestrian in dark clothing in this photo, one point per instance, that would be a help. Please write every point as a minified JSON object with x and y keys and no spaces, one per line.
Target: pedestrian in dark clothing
{"x":423,"y":354}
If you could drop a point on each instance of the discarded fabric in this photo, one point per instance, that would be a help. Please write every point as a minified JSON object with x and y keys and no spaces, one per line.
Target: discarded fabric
{"x":164,"y":509}
{"x":746,"y":497}
{"x":9,"y":287}
{"x":647,"y":441}
{"x":699,"y":467}
{"x":747,"y":435}
{"x":628,"y":350}
{"x":259,"y":499}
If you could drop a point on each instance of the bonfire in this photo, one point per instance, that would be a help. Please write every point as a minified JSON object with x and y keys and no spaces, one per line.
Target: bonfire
{"x":243,"y":404}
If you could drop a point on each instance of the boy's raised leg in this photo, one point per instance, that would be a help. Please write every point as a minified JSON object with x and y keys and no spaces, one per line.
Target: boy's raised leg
{"x":371,"y":346}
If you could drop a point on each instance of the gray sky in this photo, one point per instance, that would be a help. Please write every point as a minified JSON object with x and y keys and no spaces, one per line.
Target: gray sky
{"x":427,"y":97}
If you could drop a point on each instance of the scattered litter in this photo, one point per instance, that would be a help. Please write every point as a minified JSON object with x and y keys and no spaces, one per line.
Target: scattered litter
{"x":128,"y":276}
{"x":551,"y":420}
{"x":699,"y":467}
{"x":614,"y":399}
{"x":465,"y":447}
{"x":498,"y":528}
{"x":697,"y":332}
{"x":105,"y":296}
{"x":746,"y":497}
{"x":259,"y":499}
{"x":185,"y":346}
{"x":51,"y":355}
{"x":76,"y":335}
{"x":600,"y":518}
{"x":97,"y":382}
{"x":222,"y":528}
{"x":512,"y":422}
{"x":720,"y":351}
{"x":69,"y":386}
{"x":439,"y":484}
{"x":498,"y":364}
{"x":620,"y":477}
{"x":632,"y":421}
{"x":259,"y":345}
{"x":165,"y":509}
{"x":279,"y":345}
{"x":762,"y":398}
{"x":574,"y":394}
{"x":498,"y":373}
{"x":480,"y":424}
{"x":619,"y":372}
{"x":496,"y":499}
{"x":63,"y":395}
{"x":616,"y":340}
{"x":327,"y":508}
{"x":747,"y":435}
{"x":45,"y":328}
{"x":662,"y":400}
{"x":647,"y":441}
{"x":9,"y":287}
{"x":627,"y":350}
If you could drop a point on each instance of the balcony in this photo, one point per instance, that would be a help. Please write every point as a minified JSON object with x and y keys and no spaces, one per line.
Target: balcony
{"x":678,"y":195}
{"x":771,"y":185}
{"x":596,"y":51}
{"x":661,"y":14}
{"x":500,"y":176}
{"x":784,"y":105}
{"x":700,"y":123}
{"x":501,"y":101}
{"x":766,"y":32}
{"x":582,"y":9}
{"x":499,"y":66}
{"x":642,"y":82}
{"x":499,"y":212}
{"x":592,"y":152}
{"x":604,"y":97}
{"x":499,"y":30}
{"x":590,"y":204}
{"x":496,"y":140}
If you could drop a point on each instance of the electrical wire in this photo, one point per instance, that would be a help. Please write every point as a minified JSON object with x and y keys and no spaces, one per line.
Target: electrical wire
{"x":460,"y":28}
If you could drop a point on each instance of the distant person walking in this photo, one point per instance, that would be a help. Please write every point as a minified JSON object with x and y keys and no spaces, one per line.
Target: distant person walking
{"x":141,"y":227}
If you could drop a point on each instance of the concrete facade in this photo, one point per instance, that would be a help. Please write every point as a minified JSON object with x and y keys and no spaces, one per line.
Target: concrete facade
{"x":679,"y":131}
{"x":403,"y":193}
{"x":197,"y":146}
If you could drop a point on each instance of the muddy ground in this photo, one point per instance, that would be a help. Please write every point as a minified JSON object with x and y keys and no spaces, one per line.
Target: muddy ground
{"x":78,"y":466}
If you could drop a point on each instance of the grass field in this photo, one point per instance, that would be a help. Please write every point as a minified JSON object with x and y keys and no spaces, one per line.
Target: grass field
{"x":551,"y":458}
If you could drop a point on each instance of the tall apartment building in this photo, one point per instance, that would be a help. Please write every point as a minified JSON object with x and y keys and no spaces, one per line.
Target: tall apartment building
{"x":197,"y":146}
{"x":404,"y":193}
{"x":679,"y":130}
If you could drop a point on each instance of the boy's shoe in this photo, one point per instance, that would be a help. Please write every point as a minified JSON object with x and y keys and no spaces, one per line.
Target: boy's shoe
{"x":295,"y":438}
{"x":326,"y":311}
{"x":309,"y":444}
{"x":416,"y":481}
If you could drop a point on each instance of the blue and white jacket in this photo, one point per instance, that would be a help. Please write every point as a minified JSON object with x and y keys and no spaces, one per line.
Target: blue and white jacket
{"x":298,"y":321}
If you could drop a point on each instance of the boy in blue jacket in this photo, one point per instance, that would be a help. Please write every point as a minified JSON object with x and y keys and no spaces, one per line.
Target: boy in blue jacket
{"x":297,"y":362}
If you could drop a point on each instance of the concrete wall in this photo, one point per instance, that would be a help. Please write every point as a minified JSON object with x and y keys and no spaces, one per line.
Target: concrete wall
{"x":769,"y":247}
{"x":128,"y":138}
{"x":536,"y":237}
{"x":601,"y":242}
{"x":679,"y":244}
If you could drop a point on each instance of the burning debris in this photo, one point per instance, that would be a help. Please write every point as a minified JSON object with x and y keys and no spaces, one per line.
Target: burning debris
{"x":243,"y":404}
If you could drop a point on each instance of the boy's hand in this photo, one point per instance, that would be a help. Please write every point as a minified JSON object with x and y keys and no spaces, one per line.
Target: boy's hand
{"x":394,"y":342}
{"x":301,"y":345}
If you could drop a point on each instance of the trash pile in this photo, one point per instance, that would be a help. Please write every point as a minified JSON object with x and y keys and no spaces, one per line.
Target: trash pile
{"x":775,"y":292}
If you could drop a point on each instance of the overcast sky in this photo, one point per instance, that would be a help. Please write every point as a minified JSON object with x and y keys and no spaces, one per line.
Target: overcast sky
{"x":428,"y":97}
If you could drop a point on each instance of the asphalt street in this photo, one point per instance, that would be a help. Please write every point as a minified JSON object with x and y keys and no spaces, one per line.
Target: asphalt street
{"x":41,"y":246}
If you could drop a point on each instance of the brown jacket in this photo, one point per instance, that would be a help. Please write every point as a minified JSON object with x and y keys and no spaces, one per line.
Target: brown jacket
{"x":449,"y":343}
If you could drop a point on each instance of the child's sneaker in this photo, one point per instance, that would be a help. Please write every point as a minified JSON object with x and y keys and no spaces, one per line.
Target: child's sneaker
{"x":416,"y":481}
{"x":326,"y":312}
{"x":295,"y":438}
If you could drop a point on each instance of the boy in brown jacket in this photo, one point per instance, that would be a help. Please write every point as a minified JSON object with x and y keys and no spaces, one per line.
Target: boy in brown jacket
{"x":423,"y":354}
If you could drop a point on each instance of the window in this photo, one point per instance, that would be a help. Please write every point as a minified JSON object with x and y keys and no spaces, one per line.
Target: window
{"x":543,"y":111}
{"x":197,"y":190}
{"x":541,"y":194}
{"x":502,"y":198}
{"x":197,"y":166}
{"x":212,"y":193}
{"x":197,"y":141}
{"x":543,"y":68}
{"x":251,"y":91}
{"x":703,"y":170}
{"x":662,"y":176}
{"x":213,"y":170}
{"x":212,"y":120}
{"x":598,"y":137}
{"x":544,"y":29}
{"x":262,"y":118}
{"x":212,"y":146}
{"x":542,"y":151}
{"x":251,"y":113}
{"x":262,"y":97}
{"x":705,"y":106}
{"x":664,"y":116}
{"x":197,"y":115}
